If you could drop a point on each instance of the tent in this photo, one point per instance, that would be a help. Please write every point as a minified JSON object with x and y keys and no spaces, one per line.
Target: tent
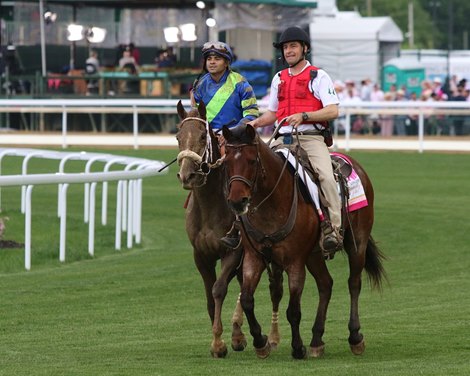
{"x":353,"y":47}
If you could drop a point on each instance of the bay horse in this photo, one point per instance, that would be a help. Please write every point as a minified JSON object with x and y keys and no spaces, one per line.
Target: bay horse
{"x":282,"y":227}
{"x":208,"y":218}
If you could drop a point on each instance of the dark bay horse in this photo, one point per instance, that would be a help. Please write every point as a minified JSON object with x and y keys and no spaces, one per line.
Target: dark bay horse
{"x":208,"y":218}
{"x":280,"y":226}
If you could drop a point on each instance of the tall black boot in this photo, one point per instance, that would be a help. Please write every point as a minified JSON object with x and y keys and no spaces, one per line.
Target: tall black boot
{"x":232,"y":239}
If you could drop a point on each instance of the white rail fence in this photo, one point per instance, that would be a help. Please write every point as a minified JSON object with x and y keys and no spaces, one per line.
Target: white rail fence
{"x":128,"y":196}
{"x":168,"y":107}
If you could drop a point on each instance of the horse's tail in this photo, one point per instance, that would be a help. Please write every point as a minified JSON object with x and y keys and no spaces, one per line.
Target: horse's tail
{"x":373,"y":265}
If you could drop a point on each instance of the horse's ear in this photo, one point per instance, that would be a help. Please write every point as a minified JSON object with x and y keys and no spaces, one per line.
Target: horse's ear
{"x":202,"y":110}
{"x":250,"y":131}
{"x":226,"y":132}
{"x":181,"y":111}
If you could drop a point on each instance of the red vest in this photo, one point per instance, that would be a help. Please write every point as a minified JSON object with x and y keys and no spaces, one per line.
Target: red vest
{"x":293,"y":95}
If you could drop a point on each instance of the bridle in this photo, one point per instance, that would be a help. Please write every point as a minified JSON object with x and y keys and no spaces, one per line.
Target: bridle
{"x":203,"y":162}
{"x":259,"y":166}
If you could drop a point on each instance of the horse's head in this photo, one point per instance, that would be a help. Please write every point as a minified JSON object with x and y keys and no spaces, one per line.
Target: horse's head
{"x":195,"y":145}
{"x":242,"y":165}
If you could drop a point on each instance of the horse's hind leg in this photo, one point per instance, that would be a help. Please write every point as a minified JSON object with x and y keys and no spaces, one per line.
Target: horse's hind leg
{"x":356,"y":265}
{"x":316,"y":266}
{"x":276,"y":291}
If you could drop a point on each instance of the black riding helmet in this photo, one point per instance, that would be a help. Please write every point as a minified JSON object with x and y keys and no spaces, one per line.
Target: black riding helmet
{"x":291,"y":34}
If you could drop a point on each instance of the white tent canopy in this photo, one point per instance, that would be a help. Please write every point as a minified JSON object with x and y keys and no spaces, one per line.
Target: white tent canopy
{"x":348,"y":46}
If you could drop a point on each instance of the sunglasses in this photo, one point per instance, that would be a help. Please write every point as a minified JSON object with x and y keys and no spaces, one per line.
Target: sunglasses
{"x":214,"y":45}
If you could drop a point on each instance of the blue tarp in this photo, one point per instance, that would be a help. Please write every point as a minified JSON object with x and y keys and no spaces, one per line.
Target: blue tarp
{"x":257,"y":72}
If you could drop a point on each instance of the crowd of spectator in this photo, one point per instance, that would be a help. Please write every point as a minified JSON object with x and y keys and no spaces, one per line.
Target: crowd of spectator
{"x":451,"y":89}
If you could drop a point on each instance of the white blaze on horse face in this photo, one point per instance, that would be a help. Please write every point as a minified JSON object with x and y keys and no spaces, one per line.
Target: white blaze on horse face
{"x":238,"y":154}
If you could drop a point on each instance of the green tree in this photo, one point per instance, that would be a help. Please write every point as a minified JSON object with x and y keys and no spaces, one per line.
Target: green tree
{"x":450,"y":19}
{"x":438,"y":24}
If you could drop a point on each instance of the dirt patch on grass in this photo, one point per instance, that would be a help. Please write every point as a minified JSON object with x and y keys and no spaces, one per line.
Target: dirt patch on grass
{"x":10,"y":244}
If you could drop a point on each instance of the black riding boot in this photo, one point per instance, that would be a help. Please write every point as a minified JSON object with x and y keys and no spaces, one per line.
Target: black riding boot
{"x":331,"y":240}
{"x":232,"y":239}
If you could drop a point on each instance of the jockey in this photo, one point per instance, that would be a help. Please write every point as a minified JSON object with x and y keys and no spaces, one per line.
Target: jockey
{"x":229,"y":99}
{"x":303,"y":96}
{"x":228,"y":96}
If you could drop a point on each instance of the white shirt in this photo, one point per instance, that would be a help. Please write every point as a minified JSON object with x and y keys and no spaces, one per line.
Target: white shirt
{"x":321,"y":87}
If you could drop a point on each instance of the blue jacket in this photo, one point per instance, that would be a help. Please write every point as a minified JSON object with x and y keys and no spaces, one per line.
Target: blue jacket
{"x":229,"y":101}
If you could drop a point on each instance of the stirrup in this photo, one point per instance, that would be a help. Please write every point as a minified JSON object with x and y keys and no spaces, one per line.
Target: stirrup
{"x":231,"y":241}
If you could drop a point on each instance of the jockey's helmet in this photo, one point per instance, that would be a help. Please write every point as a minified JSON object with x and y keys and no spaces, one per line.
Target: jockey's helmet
{"x":292,"y":34}
{"x":219,"y":48}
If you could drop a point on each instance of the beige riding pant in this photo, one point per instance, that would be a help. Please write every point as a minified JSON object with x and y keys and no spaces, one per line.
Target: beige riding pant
{"x":319,"y":157}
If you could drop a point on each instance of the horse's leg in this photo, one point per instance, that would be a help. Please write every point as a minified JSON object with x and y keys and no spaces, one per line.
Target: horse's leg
{"x":276,"y":291}
{"x":207,"y":270}
{"x":231,"y":262}
{"x":316,"y":266}
{"x":356,"y":265}
{"x":253,"y":267}
{"x":296,"y":278}
{"x":238,"y":338}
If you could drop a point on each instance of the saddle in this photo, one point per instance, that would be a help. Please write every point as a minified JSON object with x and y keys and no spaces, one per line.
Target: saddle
{"x":341,"y":169}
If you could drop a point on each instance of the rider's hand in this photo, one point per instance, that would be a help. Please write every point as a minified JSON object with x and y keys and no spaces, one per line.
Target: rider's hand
{"x":252,"y":123}
{"x":294,"y":120}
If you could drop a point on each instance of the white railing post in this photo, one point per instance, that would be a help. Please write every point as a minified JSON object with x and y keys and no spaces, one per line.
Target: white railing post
{"x":130,"y":215}
{"x":421,"y":130}
{"x":63,"y":221}
{"x":117,"y":244}
{"x":138,"y":212}
{"x":27,"y":228}
{"x":91,"y":224}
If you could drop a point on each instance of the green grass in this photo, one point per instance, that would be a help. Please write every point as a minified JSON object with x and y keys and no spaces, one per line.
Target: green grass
{"x":142,"y":311}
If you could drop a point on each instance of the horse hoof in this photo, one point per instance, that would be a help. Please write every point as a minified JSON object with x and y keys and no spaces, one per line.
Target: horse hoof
{"x":299,"y":353}
{"x":264,"y":351}
{"x":317,"y":352}
{"x":221,"y":352}
{"x":239,"y":344}
{"x":274,"y":342}
{"x":273,"y":345}
{"x":359,"y":348}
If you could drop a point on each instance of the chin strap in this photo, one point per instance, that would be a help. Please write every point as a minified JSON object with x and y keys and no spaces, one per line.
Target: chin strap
{"x":293,"y":65}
